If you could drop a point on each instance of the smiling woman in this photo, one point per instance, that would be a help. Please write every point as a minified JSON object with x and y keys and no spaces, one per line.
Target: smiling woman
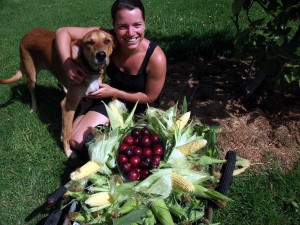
{"x":129,"y":30}
{"x":137,"y":69}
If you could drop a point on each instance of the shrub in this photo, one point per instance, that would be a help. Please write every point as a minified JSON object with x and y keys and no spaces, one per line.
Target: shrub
{"x":271,"y":37}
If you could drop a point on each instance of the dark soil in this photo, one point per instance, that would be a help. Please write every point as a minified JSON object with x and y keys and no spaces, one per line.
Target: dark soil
{"x":263,"y":128}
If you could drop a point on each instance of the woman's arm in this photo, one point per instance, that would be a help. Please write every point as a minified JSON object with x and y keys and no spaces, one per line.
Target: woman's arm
{"x":64,"y":37}
{"x":156,"y":75}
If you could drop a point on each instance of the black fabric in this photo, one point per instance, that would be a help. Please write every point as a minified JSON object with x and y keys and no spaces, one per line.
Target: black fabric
{"x":127,"y":82}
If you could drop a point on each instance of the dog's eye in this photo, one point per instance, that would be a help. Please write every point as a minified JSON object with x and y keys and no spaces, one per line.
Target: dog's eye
{"x":90,"y":42}
{"x":107,"y":41}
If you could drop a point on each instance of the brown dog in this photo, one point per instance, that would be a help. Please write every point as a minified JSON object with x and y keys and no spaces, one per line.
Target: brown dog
{"x":38,"y":52}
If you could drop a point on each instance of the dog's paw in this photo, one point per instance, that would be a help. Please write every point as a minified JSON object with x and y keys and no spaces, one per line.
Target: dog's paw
{"x":69,"y":153}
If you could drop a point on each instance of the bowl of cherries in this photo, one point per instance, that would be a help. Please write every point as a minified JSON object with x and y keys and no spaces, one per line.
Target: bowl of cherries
{"x":140,"y":151}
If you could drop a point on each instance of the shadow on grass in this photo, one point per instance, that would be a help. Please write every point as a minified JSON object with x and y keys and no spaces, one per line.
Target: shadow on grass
{"x":48,"y":105}
{"x":182,"y":46}
{"x":49,"y":112}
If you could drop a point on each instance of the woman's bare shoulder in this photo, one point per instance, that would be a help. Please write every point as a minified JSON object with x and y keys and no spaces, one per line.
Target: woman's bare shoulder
{"x":158,"y":56}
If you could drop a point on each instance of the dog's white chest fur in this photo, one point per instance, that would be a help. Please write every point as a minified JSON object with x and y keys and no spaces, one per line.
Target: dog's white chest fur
{"x":94,"y":86}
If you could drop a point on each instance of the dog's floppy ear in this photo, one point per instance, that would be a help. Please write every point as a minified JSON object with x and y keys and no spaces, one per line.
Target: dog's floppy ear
{"x":112,"y":33}
{"x":75,"y":49}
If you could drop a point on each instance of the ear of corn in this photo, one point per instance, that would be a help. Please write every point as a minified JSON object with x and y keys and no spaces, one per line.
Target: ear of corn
{"x":129,"y":205}
{"x":178,"y":211}
{"x":161,"y":212}
{"x":182,"y":121}
{"x":181,"y":183}
{"x":204,"y":192}
{"x":99,"y":199}
{"x":192,"y":146}
{"x":76,"y":216}
{"x":86,"y":170}
{"x":150,"y":218}
{"x":118,"y":116}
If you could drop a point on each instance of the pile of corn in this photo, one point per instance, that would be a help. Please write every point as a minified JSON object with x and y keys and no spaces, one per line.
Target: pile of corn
{"x":176,"y":191}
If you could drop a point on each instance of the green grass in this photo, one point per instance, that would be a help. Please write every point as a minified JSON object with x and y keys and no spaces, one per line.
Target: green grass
{"x":269,"y":198}
{"x":32,"y":163}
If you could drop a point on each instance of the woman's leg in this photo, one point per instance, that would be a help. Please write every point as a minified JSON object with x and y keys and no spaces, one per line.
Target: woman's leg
{"x":82,"y":126}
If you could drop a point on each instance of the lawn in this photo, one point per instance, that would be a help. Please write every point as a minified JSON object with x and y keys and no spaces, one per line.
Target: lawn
{"x":32,"y":162}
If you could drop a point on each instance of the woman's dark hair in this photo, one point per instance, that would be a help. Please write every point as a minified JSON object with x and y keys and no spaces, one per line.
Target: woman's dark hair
{"x":126,"y":4}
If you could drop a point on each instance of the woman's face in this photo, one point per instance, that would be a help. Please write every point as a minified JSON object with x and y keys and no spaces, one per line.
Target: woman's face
{"x":129,"y":28}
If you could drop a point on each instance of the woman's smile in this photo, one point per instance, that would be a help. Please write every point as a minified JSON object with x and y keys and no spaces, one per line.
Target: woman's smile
{"x":130,"y":27}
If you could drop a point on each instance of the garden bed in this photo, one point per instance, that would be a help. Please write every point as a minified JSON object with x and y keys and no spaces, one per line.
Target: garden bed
{"x":265,"y":128}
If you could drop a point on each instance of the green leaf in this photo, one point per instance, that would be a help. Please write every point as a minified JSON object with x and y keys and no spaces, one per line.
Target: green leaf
{"x":217,"y":195}
{"x":77,"y":195}
{"x":206,"y":160}
{"x":159,"y":183}
{"x":129,"y":119}
{"x":176,"y":210}
{"x":192,"y":175}
{"x":102,"y":149}
{"x":132,"y":217}
{"x":184,"y":106}
{"x":97,"y":180}
{"x":126,"y":188}
{"x":195,"y":215}
{"x":203,"y":192}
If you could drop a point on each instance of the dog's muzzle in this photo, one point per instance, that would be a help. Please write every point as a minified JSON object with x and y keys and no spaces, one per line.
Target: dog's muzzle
{"x":101,"y":57}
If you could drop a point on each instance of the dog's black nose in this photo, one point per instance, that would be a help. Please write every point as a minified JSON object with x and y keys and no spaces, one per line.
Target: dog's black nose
{"x":101,"y":55}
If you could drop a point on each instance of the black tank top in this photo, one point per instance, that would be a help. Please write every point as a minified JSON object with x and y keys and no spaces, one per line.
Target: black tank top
{"x":133,"y":83}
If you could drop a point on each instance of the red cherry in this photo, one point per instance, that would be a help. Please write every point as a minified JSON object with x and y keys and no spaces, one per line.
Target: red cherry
{"x":147,"y":151}
{"x":145,"y":173}
{"x":145,"y":161}
{"x":145,"y":141}
{"x":135,"y":161}
{"x":137,"y":150}
{"x":154,"y":165}
{"x":122,"y":159}
{"x":138,"y":169}
{"x":127,"y":167}
{"x":155,"y":138}
{"x":128,"y":152}
{"x":158,"y":150}
{"x":123,"y":147}
{"x":137,"y":141}
{"x":156,"y":159}
{"x":129,"y":140}
{"x":133,"y":175}
{"x":135,"y":132}
{"x":145,"y":131}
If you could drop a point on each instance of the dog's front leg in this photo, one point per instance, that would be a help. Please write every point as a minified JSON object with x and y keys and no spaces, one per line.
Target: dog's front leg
{"x":68,"y":106}
{"x":67,"y":120}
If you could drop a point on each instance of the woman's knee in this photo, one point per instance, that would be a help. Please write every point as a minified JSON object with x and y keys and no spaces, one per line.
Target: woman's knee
{"x":76,"y":144}
{"x":83,"y":126}
{"x":77,"y":139}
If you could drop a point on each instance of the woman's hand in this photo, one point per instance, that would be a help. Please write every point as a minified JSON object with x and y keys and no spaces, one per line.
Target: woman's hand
{"x":74,"y":71}
{"x":104,"y":91}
